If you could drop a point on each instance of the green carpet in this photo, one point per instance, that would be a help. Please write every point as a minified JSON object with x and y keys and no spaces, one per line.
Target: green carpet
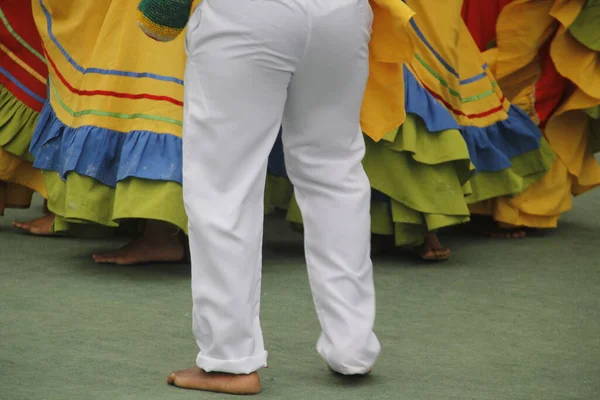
{"x":502,"y":320}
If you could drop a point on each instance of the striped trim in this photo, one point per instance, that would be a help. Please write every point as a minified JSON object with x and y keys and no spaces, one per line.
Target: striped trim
{"x":21,"y":86}
{"x":100,"y":70}
{"x":452,"y":91}
{"x":22,"y":64}
{"x":460,"y":113}
{"x":101,"y":113}
{"x":107,"y":92}
{"x":10,"y":29}
{"x":444,"y":62}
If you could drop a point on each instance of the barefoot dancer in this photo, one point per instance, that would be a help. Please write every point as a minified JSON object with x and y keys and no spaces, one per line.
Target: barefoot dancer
{"x":253,"y":65}
{"x":109,"y":137}
{"x":22,"y":94}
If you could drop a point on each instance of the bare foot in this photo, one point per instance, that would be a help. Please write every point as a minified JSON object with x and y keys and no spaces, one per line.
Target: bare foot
{"x":160,"y":242}
{"x":198,"y":379}
{"x":432,"y":249}
{"x":40,"y":227}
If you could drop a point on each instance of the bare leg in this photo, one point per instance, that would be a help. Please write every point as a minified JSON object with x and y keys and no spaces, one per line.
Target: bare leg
{"x":160,"y":242}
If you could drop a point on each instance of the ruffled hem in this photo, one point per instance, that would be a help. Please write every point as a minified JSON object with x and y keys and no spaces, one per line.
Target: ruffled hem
{"x":81,"y":199}
{"x":535,"y":74}
{"x":419,"y":182}
{"x":491,"y":148}
{"x":17,"y":124}
{"x":510,"y":154}
{"x":573,"y":60}
{"x":539,"y":206}
{"x":18,"y":179}
{"x":105,"y":155}
{"x":525,"y":170}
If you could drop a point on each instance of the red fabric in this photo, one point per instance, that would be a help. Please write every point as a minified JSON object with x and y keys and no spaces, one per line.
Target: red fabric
{"x":481,"y":16}
{"x":551,"y":88}
{"x":20,"y":17}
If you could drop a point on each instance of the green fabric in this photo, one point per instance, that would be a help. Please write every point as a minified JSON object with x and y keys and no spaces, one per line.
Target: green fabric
{"x":586,"y":28}
{"x":593,"y":112}
{"x":81,"y":199}
{"x":526,"y":169}
{"x":278,"y":193}
{"x":425,"y":175}
{"x":169,"y":13}
{"x":17,"y":123}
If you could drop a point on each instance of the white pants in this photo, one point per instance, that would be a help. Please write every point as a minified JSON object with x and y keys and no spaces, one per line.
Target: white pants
{"x":254,"y":65}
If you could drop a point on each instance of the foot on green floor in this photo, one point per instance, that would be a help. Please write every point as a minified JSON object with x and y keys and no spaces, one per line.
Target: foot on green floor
{"x":159,"y":243}
{"x":198,"y":379}
{"x":432,"y":249}
{"x":39,"y":227}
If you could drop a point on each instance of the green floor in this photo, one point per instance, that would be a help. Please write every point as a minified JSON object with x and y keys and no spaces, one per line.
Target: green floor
{"x":503,"y":320}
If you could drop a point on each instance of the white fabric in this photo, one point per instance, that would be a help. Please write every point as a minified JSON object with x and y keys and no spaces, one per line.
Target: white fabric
{"x":254,"y":65}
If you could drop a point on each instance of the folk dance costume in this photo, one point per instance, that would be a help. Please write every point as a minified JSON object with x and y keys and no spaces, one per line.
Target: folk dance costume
{"x":462,"y":141}
{"x":545,"y":56}
{"x":22,"y":94}
{"x":109,"y":137}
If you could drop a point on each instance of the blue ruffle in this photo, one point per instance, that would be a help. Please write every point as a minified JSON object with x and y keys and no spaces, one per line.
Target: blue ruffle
{"x":490,"y":148}
{"x":105,"y":155}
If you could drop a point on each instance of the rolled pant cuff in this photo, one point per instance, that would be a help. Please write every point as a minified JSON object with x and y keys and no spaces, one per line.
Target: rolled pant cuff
{"x":242,"y":366}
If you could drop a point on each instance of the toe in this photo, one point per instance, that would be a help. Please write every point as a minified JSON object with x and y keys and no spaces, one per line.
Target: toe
{"x":103,"y":258}
{"x":21,"y":225}
{"x":171,"y":378}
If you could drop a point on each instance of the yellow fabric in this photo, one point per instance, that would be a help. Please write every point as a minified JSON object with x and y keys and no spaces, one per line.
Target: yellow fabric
{"x":441,"y":23}
{"x":515,"y":64}
{"x":15,"y":170}
{"x":391,"y":45}
{"x":110,"y":42}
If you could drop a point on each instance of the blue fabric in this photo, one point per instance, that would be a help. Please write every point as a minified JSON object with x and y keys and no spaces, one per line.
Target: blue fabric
{"x":490,"y":148}
{"x":103,"y":154}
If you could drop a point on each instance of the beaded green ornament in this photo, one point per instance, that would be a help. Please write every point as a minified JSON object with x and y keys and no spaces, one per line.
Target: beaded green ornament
{"x":163,"y":20}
